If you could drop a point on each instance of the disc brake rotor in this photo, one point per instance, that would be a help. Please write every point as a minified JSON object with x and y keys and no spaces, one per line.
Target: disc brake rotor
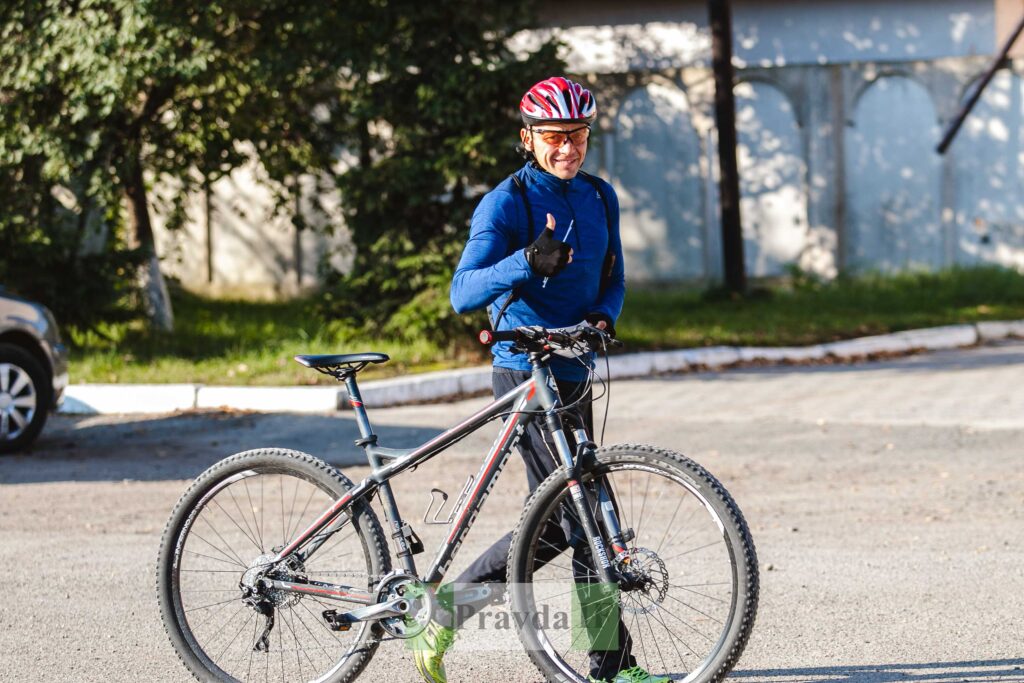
{"x":647,"y":573}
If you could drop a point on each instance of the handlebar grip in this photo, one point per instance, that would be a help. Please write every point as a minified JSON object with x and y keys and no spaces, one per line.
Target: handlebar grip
{"x":488,"y":337}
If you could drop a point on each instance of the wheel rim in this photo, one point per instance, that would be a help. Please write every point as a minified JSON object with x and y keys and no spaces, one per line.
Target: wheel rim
{"x":244,"y":518}
{"x":678,"y":621}
{"x":18,"y":401}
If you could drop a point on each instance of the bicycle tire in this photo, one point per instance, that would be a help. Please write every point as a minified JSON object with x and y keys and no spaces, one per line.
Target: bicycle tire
{"x":206,"y":551}
{"x":712,"y":599}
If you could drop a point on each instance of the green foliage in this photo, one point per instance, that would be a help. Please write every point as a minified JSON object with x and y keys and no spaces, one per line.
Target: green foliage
{"x":99,"y":94}
{"x":238,"y":342}
{"x":435,"y":128}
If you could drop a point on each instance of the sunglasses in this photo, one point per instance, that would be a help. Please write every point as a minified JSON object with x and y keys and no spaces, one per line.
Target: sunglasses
{"x":557,"y":138}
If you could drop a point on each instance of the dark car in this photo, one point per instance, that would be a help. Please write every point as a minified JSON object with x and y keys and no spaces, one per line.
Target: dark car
{"x":33,"y":370}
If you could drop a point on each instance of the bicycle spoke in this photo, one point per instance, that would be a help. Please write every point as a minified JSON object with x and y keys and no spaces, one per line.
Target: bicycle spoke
{"x":669,"y":526}
{"x":298,"y":520}
{"x":255,"y":628}
{"x":674,"y":637}
{"x":697,"y":549}
{"x":216,"y":559}
{"x":212,"y":604}
{"x":252,"y":510}
{"x":691,"y":607}
{"x":248,"y":532}
{"x":703,"y":595}
{"x":690,"y":627}
{"x":657,"y":646}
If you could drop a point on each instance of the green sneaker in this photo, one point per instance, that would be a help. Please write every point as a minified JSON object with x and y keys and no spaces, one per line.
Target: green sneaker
{"x":428,"y":649}
{"x":634,"y":674}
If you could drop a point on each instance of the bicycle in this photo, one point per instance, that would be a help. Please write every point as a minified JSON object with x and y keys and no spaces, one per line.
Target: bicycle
{"x":273,"y":565}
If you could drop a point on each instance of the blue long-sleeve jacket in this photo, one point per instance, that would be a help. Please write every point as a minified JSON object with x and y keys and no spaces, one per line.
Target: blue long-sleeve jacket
{"x":493,"y":263}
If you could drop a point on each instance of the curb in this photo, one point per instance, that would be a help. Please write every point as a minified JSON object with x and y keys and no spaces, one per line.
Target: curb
{"x":92,"y":399}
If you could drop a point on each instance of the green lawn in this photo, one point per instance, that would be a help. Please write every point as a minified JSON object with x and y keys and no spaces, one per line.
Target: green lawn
{"x":233,"y":342}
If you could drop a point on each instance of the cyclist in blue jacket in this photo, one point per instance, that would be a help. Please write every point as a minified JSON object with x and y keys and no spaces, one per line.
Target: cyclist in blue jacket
{"x":543,"y":249}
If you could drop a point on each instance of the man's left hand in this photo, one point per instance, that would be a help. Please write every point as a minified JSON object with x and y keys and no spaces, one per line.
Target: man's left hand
{"x":601,"y":322}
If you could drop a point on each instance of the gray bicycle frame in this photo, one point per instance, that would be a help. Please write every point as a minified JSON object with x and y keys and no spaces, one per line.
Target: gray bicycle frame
{"x":530,"y":400}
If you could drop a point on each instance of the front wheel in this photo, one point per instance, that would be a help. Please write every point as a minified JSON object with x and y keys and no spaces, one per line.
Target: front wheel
{"x":25,"y":397}
{"x":235,"y":517}
{"x":686,"y":604}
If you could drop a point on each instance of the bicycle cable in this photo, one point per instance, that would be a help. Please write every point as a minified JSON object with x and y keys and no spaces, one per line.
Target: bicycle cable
{"x":587,"y":388}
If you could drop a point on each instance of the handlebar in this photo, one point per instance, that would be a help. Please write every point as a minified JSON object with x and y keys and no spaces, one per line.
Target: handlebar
{"x":579,"y":339}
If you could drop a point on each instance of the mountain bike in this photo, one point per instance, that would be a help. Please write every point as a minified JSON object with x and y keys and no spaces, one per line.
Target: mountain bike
{"x":274,"y":566}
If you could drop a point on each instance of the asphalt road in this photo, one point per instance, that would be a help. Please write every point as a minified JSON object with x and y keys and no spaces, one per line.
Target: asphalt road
{"x":886,"y":500}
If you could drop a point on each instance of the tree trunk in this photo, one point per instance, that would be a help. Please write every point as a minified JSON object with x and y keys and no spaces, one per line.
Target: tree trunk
{"x":158,"y":301}
{"x":725,"y":121}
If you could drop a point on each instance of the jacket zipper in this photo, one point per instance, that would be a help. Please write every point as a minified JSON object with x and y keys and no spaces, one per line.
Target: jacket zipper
{"x":572,"y":213}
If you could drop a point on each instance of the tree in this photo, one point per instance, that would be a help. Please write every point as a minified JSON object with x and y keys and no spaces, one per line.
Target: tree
{"x":433,"y":113}
{"x":101,"y":98}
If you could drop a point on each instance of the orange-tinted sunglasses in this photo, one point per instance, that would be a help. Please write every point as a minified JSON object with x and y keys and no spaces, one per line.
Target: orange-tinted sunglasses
{"x":557,"y":138}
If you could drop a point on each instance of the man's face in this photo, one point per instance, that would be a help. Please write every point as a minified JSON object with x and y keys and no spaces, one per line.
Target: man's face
{"x":559,"y":154}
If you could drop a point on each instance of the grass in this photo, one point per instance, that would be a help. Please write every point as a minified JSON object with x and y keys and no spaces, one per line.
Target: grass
{"x":812,"y":312}
{"x":235,"y":342}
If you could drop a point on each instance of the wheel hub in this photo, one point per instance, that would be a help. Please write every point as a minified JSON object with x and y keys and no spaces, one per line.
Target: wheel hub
{"x":645,"y":580}
{"x":252,"y":586}
{"x":14,"y":418}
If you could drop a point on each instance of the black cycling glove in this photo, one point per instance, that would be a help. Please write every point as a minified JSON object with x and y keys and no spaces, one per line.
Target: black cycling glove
{"x":595,"y":318}
{"x":547,"y":256}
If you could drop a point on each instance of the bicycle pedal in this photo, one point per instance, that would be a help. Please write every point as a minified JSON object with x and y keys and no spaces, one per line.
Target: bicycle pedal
{"x":335,"y":621}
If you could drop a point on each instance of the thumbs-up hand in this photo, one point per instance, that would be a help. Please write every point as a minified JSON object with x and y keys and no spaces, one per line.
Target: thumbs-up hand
{"x":548,"y":256}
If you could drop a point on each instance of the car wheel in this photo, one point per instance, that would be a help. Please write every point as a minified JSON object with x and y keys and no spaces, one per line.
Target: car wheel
{"x":24,"y":398}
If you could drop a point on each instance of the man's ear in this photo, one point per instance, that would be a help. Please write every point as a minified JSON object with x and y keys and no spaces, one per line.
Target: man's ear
{"x":526,"y":138}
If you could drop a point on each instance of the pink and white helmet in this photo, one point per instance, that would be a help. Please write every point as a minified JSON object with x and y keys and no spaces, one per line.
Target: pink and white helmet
{"x":557,"y":100}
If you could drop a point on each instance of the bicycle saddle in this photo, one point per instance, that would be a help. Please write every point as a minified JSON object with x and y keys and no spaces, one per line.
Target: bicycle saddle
{"x":334,"y":360}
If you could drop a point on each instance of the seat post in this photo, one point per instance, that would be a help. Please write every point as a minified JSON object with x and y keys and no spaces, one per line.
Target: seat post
{"x":355,"y":400}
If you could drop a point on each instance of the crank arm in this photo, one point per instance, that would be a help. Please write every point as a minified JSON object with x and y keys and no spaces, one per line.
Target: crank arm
{"x":383,"y":610}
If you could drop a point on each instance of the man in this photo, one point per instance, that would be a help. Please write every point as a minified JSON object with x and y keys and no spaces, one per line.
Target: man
{"x":543,"y":249}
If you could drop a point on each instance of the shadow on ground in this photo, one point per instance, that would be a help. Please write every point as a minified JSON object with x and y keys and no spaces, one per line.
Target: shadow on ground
{"x":102,"y":448}
{"x":974,"y":670}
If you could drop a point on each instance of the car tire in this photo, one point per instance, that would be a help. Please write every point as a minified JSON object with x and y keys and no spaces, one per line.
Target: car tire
{"x":25,"y":397}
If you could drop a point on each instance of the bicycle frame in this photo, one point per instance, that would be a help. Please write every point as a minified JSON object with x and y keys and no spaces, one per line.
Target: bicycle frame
{"x":526,"y":402}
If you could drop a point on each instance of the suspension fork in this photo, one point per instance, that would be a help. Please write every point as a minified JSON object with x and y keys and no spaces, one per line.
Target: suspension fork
{"x":547,"y":394}
{"x":599,"y":487}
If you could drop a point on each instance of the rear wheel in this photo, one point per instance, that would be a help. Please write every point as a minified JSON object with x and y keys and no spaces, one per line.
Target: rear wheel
{"x":228,"y":524}
{"x":687,"y":605}
{"x":25,"y":396}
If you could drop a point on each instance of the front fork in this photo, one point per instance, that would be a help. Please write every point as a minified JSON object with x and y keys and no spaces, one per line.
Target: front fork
{"x":581,"y":497}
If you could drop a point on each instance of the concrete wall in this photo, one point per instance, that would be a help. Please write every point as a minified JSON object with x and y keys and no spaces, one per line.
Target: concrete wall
{"x":237,"y":242}
{"x":838,"y":164}
{"x":839,"y":108}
